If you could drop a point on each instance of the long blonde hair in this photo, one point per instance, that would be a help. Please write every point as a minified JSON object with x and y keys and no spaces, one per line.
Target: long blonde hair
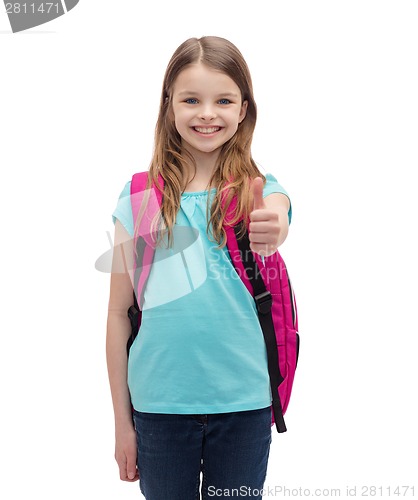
{"x":235,"y":164}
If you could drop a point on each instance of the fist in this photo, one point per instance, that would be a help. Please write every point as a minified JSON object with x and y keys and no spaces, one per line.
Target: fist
{"x":264,"y":228}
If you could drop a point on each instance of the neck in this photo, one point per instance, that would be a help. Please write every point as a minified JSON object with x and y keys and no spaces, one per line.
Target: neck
{"x":205,"y":165}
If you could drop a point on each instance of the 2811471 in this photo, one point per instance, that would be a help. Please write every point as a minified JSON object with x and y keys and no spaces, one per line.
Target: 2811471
{"x":31,"y":8}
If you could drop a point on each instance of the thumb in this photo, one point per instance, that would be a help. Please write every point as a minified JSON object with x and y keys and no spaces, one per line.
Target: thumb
{"x":257,"y":189}
{"x":131,"y":466}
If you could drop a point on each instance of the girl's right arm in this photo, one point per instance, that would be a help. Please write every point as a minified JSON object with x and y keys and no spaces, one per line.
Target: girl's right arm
{"x":118,"y":332}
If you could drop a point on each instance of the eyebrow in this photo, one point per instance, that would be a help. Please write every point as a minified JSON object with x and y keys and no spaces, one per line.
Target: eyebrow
{"x":224,"y":94}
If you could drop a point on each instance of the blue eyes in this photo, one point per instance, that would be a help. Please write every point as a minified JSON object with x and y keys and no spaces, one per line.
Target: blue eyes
{"x":194,"y":101}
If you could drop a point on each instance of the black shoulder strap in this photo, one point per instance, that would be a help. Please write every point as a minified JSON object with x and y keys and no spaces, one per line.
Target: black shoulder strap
{"x":264,"y":301}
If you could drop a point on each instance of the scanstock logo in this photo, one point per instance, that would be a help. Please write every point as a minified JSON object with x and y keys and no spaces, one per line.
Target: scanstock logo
{"x":25,"y":15}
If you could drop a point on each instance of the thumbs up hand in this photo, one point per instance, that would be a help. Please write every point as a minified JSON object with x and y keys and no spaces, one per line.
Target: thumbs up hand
{"x":264,"y":228}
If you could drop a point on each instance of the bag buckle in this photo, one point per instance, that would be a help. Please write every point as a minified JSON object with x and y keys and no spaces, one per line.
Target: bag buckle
{"x":264,"y":301}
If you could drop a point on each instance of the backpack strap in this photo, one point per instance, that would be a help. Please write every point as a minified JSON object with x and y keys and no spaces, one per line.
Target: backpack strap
{"x":148,"y":201}
{"x":263,"y":300}
{"x":251,"y":269}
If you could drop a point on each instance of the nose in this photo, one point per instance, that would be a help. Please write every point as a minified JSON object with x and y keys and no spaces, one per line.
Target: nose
{"x":207,"y":113}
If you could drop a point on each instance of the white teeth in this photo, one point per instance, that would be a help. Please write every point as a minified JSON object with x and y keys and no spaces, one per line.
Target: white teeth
{"x":207,"y":130}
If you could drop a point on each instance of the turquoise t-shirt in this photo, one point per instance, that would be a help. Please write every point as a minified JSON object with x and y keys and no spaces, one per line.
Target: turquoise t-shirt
{"x":200,"y":347}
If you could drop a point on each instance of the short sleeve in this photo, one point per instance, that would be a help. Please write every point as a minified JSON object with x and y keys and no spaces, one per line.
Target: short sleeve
{"x":272,"y":186}
{"x":123,"y":210}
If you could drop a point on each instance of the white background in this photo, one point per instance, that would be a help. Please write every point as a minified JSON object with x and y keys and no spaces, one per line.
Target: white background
{"x":335,"y":84}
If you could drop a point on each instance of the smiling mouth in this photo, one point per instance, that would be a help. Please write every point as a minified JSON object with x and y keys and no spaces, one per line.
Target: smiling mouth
{"x":207,"y":130}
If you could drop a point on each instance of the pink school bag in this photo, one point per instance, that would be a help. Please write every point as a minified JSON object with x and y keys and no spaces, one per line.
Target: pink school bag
{"x":267,"y":282}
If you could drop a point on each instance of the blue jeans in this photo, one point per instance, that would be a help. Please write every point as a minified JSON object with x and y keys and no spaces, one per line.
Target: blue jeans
{"x":230,"y":449}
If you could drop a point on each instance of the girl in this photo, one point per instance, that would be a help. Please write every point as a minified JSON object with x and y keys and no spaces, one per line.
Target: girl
{"x":197,"y":375}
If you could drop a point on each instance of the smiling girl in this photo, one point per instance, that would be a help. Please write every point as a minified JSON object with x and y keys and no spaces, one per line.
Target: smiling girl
{"x":195,"y":396}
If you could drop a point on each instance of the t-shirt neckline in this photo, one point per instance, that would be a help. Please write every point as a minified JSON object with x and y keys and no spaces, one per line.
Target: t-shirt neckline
{"x":197,"y":193}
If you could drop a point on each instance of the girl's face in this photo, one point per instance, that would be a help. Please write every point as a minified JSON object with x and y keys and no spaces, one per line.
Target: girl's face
{"x":207,"y":109}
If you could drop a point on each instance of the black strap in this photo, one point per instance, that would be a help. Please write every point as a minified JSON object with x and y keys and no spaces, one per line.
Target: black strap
{"x":134,"y":311}
{"x":264,"y":301}
{"x":133,"y":315}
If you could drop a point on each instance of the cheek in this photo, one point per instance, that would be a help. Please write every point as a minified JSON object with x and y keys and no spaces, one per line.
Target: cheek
{"x":234,"y":119}
{"x":178,"y":121}
{"x":182,"y":118}
{"x":234,"y":122}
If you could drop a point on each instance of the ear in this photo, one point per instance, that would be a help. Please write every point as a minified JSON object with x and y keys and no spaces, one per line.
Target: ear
{"x":243,"y":111}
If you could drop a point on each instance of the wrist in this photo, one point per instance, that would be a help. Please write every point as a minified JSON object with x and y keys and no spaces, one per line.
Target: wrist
{"x":124,"y":420}
{"x":123,"y":427}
